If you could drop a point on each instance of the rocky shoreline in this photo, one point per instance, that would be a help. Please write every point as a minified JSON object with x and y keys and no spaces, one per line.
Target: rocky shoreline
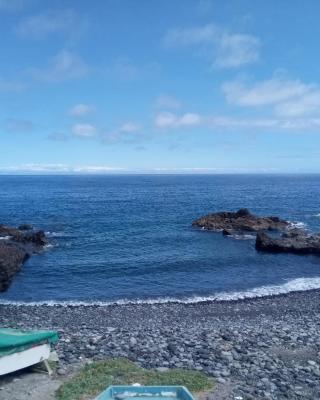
{"x":263,"y":348}
{"x":16,"y":246}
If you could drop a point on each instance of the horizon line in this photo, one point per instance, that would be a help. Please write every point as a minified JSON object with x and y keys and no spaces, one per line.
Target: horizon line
{"x":154,"y":173}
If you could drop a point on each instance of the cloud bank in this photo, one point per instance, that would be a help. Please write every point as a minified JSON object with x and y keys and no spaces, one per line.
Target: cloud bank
{"x":288,"y":98}
{"x":227,"y":50}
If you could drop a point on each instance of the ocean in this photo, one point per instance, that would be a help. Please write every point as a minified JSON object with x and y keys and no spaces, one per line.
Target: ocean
{"x":128,"y":238}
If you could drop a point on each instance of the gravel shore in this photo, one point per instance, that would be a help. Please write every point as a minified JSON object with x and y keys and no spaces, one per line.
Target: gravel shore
{"x":264,"y":348}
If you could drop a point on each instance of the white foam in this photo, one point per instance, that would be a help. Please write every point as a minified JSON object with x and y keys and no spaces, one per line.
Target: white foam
{"x":317,"y":215}
{"x":299,"y":225}
{"x":4,"y":237}
{"x":48,"y":246}
{"x":244,"y":237}
{"x":294,"y":285}
{"x":54,"y":234}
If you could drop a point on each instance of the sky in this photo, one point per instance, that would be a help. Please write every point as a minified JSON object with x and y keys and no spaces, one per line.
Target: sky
{"x":170,"y":86}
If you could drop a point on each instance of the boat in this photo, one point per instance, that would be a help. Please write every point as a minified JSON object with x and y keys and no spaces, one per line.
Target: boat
{"x":136,"y":392}
{"x":20,"y":349}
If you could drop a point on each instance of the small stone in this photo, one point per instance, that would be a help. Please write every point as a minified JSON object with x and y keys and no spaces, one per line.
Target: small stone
{"x":133,"y":341}
{"x":61,"y":371}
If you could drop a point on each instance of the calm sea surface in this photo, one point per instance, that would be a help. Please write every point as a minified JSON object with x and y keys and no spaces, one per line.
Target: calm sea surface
{"x":130,"y":237}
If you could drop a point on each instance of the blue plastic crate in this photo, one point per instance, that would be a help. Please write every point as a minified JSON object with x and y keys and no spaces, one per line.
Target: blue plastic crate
{"x":146,"y":393}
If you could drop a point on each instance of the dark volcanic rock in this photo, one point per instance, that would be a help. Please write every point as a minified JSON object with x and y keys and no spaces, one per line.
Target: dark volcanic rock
{"x":240,"y":221}
{"x":295,"y":242}
{"x":36,"y":238}
{"x":11,"y":259}
{"x":25,"y":227}
{"x":18,"y":245}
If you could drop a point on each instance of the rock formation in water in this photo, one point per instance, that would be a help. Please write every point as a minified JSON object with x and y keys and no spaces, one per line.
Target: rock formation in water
{"x":240,"y":222}
{"x":297,"y":242}
{"x":16,"y":246}
{"x":292,"y":240}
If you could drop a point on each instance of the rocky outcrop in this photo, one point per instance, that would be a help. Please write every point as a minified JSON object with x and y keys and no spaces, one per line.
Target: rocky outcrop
{"x":11,"y":259}
{"x":297,"y":242}
{"x":16,"y":246}
{"x":25,"y":236}
{"x":239,"y":222}
{"x":286,"y":239}
{"x":25,"y":227}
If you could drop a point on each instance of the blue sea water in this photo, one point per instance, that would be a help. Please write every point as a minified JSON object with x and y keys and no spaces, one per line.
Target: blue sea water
{"x":125,"y":237}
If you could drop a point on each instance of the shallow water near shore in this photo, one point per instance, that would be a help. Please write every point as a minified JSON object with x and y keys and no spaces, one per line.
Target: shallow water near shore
{"x":129,"y":238}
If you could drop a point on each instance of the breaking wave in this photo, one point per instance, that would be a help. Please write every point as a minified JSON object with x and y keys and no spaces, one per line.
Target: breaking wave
{"x":244,"y":237}
{"x":298,"y":225}
{"x":4,"y":237}
{"x":55,"y":234}
{"x":295,"y":285}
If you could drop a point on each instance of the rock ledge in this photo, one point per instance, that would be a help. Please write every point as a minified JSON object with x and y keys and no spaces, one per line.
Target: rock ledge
{"x":239,"y":222}
{"x":16,"y":246}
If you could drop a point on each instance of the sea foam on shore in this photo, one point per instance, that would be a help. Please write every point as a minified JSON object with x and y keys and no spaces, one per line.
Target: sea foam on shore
{"x":294,"y":285}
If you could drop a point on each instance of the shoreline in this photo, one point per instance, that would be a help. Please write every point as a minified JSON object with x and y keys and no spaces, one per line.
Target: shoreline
{"x":197,"y":300}
{"x":264,"y":348}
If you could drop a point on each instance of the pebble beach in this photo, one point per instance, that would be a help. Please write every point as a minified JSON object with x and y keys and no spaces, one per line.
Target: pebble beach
{"x":262,"y":348}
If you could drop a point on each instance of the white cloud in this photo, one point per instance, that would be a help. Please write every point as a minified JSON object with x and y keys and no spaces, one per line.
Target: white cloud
{"x":80,"y":110}
{"x":189,"y":119}
{"x":236,"y":50}
{"x":289,"y":98}
{"x":60,"y":168}
{"x":84,"y":130}
{"x":129,"y":127}
{"x":49,"y":22}
{"x":306,"y":104}
{"x":96,"y":169}
{"x":263,"y":93}
{"x":170,"y":120}
{"x":128,"y":132}
{"x":211,"y":170}
{"x":165,"y":120}
{"x":228,"y":50}
{"x":167,"y":102}
{"x":36,"y":168}
{"x":231,"y":122}
{"x":64,"y":66}
{"x":271,"y":123}
{"x":33,"y":168}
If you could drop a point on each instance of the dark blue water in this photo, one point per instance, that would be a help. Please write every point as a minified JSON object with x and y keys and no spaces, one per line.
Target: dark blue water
{"x":130,"y":237}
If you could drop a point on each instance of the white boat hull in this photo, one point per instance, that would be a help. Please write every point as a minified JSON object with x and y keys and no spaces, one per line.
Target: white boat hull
{"x":23,"y":359}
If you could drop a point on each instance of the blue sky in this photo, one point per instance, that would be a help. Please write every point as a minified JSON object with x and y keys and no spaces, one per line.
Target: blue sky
{"x":159,"y":86}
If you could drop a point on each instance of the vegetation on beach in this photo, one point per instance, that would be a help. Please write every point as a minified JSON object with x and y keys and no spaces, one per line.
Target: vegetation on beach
{"x":96,"y":377}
